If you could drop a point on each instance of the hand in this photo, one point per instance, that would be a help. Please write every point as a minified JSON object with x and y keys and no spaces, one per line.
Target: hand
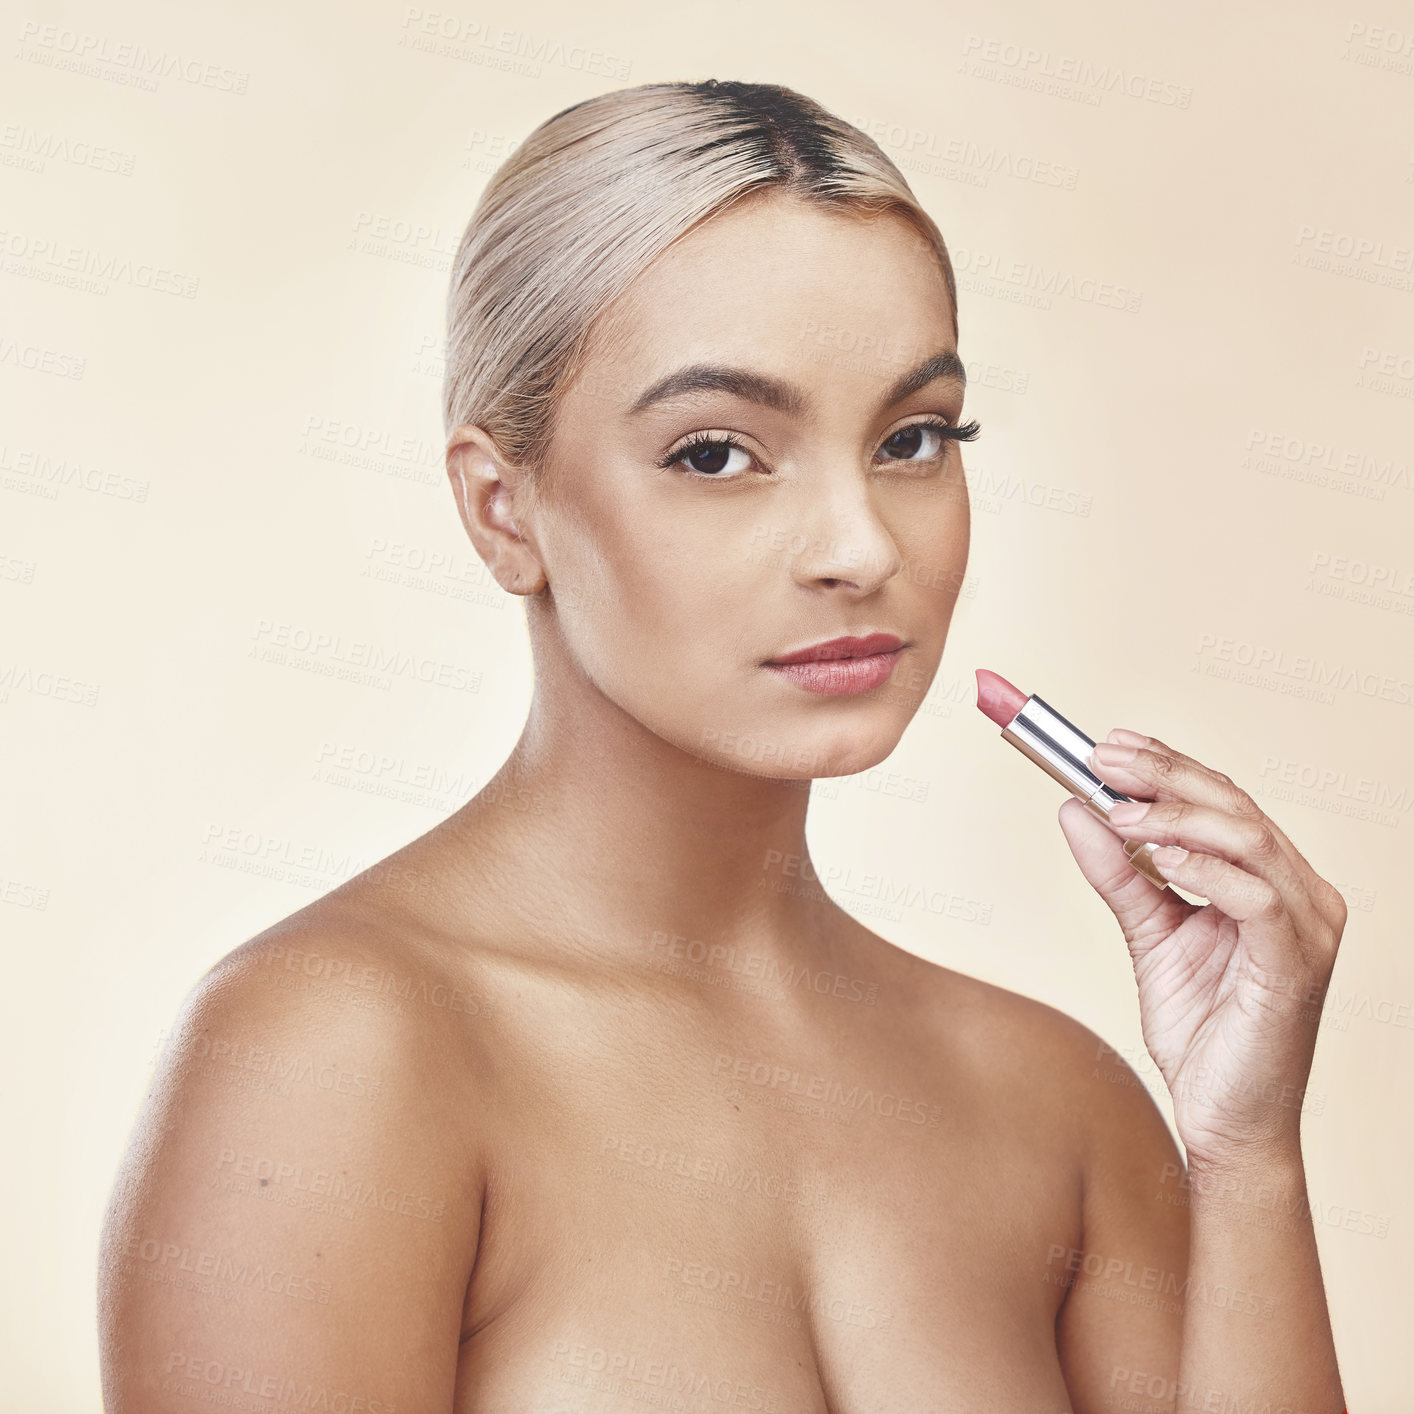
{"x":1230,"y":991}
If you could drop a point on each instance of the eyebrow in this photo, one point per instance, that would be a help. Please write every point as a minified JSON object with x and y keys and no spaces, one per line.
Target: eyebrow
{"x":776,"y":393}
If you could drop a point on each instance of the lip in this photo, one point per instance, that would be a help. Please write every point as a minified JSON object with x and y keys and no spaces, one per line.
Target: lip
{"x":835,"y":648}
{"x":842,"y":665}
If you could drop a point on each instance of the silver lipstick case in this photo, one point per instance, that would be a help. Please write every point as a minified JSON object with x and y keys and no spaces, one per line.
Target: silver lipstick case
{"x":1060,"y":749}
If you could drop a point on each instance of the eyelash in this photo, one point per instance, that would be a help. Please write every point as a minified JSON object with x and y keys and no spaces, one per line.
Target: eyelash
{"x":701,"y":441}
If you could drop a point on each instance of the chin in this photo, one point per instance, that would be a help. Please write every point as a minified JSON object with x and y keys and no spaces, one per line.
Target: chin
{"x":848,"y":752}
{"x":776,"y":752}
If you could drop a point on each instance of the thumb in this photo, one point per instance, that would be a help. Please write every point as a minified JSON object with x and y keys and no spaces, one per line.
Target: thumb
{"x":1134,"y":901}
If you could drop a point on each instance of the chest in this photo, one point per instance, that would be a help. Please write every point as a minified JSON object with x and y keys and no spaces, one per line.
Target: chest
{"x":752,"y":1227}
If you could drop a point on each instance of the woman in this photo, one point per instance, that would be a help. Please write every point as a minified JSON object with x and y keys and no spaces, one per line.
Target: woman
{"x":591,"y":1094}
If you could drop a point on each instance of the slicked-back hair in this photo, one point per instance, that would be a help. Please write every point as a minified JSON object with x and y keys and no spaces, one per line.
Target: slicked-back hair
{"x":594,"y":195}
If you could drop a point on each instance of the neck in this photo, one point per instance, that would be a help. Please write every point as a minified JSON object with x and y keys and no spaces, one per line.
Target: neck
{"x":599,"y":831}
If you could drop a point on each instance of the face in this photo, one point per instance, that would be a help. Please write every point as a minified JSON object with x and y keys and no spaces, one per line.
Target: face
{"x":761,"y":454}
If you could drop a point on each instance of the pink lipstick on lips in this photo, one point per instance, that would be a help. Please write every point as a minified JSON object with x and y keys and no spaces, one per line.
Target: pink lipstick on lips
{"x":841,"y":665}
{"x":1060,"y":749}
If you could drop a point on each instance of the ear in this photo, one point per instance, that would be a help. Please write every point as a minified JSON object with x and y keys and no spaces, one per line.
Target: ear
{"x":484,"y":484}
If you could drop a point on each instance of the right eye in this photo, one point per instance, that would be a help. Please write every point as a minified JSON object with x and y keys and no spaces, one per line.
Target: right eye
{"x":715,"y":458}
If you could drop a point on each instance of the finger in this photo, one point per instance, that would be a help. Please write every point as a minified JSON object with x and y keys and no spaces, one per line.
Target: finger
{"x":1244,"y":897}
{"x":1269,"y":943}
{"x":1325,"y":897}
{"x":1201,"y":782}
{"x":1137,"y":904}
{"x":1167,"y":772}
{"x":1159,"y":772}
{"x":1242,"y":841}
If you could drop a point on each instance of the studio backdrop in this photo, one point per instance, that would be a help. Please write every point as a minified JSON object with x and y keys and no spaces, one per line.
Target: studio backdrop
{"x":248,"y":649}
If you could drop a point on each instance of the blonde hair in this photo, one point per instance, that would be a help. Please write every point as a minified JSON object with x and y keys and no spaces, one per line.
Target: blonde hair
{"x":594,"y":195}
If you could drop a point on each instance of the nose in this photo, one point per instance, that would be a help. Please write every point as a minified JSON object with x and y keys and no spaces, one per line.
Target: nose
{"x":840,"y":541}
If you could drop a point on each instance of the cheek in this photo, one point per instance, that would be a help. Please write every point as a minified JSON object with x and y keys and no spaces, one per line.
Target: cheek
{"x":641,"y":601}
{"x":934,"y":537}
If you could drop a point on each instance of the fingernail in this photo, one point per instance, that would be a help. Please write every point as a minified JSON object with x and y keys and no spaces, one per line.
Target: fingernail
{"x":1108,"y":754}
{"x":1168,"y":858}
{"x":1127,"y":812}
{"x":1127,"y":737}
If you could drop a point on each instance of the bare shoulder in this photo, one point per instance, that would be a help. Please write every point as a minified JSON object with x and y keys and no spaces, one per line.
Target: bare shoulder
{"x":300,"y":1199}
{"x":1123,"y":1139}
{"x":357,"y":963}
{"x":1020,"y":1050}
{"x":351,"y":999}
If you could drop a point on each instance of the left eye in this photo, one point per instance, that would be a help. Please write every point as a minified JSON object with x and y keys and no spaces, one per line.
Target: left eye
{"x":714,"y":458}
{"x":916,"y":443}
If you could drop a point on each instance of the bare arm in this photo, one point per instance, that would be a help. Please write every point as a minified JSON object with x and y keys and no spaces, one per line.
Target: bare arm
{"x":291,"y":1221}
{"x":1252,"y":1233}
{"x":1178,"y":1269}
{"x":1229,"y":997}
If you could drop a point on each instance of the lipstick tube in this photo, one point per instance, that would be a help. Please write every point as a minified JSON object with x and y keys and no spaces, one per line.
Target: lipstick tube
{"x":1060,"y":749}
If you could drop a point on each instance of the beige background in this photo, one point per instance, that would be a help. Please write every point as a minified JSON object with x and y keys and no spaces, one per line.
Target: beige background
{"x":1163,"y":494}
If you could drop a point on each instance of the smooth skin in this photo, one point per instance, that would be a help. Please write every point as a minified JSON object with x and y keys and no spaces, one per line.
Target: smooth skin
{"x":592,"y":1097}
{"x":1229,"y":998}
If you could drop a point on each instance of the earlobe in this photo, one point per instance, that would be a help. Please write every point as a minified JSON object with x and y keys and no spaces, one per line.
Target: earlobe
{"x":483,"y":483}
